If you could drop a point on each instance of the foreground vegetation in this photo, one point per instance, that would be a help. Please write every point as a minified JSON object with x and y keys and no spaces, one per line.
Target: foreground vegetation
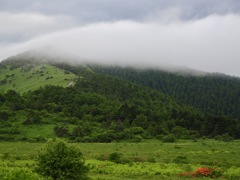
{"x":151,"y":159}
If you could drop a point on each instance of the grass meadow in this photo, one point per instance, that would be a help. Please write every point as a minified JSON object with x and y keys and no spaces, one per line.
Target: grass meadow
{"x":22,"y":80}
{"x":151,"y":159}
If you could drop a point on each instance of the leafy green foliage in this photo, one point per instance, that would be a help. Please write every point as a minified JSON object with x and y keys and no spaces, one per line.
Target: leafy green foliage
{"x":115,"y":157}
{"x":61,"y":161}
{"x":169,"y":138}
{"x":232,"y":173}
{"x":18,"y":174}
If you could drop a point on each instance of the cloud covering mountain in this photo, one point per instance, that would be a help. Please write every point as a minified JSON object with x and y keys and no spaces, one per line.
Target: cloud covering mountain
{"x":199,"y":34}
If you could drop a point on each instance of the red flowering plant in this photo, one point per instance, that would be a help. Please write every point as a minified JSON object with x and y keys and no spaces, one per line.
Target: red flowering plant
{"x":204,"y":172}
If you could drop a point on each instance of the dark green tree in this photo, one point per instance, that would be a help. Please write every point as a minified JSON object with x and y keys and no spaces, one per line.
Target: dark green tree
{"x":33,"y":117}
{"x":61,"y":131}
{"x":61,"y":161}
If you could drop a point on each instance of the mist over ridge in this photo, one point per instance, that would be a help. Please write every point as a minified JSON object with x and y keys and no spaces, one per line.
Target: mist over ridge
{"x":52,"y":55}
{"x":202,"y":35}
{"x":55,"y":56}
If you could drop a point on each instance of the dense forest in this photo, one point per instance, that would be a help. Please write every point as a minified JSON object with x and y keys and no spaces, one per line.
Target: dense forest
{"x":131,"y":105}
{"x":211,"y":93}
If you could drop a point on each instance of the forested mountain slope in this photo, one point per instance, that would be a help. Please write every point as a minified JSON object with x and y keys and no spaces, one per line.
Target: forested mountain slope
{"x":98,"y":108}
{"x":210,"y":93}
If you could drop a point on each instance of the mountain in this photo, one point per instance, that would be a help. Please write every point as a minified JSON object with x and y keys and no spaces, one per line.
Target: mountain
{"x":86,"y":103}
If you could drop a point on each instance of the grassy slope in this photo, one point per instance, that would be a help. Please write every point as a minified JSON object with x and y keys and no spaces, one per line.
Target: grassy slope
{"x":39,"y":76}
{"x":23,"y":80}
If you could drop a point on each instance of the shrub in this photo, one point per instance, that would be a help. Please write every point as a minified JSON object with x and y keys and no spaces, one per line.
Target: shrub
{"x":61,"y":161}
{"x":103,"y":157}
{"x":218,"y":138}
{"x":226,"y":137}
{"x":86,"y":139}
{"x":204,"y":172}
{"x":61,"y":131}
{"x":137,"y":138}
{"x":208,"y":172}
{"x":8,"y":173}
{"x":232,"y":173}
{"x":169,"y":138}
{"x":115,"y":157}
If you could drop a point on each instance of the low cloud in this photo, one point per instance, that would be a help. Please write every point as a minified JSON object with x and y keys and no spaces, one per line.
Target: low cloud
{"x":19,"y":27}
{"x":209,"y":44}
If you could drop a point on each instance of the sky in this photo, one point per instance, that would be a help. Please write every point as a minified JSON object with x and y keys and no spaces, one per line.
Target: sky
{"x":199,"y":34}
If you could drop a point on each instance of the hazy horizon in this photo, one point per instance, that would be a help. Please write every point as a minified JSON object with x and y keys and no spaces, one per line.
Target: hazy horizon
{"x":202,"y":35}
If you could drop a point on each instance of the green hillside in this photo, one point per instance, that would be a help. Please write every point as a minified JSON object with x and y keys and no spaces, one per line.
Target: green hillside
{"x":36,"y":102}
{"x":25,"y":78}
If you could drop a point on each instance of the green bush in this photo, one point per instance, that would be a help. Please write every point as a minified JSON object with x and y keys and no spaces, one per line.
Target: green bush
{"x":61,"y":161}
{"x":137,"y":138}
{"x":115,"y":157}
{"x":8,"y":173}
{"x":226,"y":137}
{"x":232,"y":173}
{"x":169,"y":138}
{"x":218,"y":138}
